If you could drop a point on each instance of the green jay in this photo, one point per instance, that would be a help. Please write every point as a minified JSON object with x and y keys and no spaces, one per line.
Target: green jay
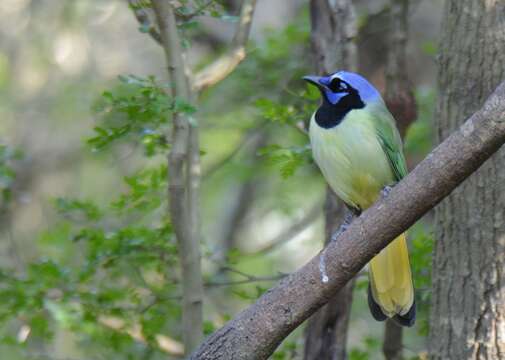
{"x":358,"y":148}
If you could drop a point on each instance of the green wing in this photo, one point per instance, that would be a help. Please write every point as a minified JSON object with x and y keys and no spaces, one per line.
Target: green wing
{"x":391,"y":142}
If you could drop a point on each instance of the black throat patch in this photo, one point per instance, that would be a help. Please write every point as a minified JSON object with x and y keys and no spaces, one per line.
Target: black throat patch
{"x":330,"y":115}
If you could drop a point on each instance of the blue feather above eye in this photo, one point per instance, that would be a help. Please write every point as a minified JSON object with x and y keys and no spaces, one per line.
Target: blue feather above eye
{"x":366,"y":91}
{"x":341,"y":83}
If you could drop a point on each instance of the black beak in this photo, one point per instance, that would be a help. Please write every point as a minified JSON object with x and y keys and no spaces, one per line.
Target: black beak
{"x":313,"y":80}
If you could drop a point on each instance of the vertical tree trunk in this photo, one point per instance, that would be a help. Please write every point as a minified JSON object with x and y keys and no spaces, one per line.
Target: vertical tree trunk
{"x":332,"y":34}
{"x":468,"y":301}
{"x":184,"y":182}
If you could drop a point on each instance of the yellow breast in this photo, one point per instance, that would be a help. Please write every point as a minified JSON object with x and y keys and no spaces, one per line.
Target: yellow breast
{"x":351,"y":158}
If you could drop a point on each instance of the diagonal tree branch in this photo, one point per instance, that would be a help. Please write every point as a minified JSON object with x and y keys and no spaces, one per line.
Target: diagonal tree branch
{"x":224,"y":65}
{"x":258,"y":330}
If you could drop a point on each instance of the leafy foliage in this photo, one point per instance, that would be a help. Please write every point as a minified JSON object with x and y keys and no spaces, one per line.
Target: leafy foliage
{"x":126,"y":271}
{"x":137,"y":111}
{"x":128,"y":261}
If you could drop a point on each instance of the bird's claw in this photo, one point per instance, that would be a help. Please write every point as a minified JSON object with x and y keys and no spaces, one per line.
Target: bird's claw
{"x":339,"y":232}
{"x":386,"y":190}
{"x":345,"y":225}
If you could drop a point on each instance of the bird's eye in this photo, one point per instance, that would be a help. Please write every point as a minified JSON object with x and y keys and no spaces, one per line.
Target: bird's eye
{"x":337,"y":85}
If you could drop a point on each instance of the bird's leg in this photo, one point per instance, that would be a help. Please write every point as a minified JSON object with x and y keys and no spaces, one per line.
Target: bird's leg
{"x":348,"y":218}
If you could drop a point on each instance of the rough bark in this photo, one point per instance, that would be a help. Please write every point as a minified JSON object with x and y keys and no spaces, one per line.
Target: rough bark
{"x":183,"y":164}
{"x":258,"y":330}
{"x":333,"y":30}
{"x":468,"y":299}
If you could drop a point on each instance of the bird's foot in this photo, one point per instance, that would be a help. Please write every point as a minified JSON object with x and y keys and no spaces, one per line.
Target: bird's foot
{"x":339,"y":232}
{"x":386,"y":190}
{"x":349,"y":217}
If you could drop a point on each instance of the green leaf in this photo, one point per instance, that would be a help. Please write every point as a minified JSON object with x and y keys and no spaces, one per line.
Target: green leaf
{"x":137,"y":111}
{"x":78,"y":208}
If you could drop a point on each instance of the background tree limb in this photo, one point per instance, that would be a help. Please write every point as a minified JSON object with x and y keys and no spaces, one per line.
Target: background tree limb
{"x":258,"y":330}
{"x":399,"y":96}
{"x":224,"y":65}
{"x":183,"y":180}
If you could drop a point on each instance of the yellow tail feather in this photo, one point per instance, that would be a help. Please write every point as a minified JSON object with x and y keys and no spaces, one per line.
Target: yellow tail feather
{"x":391,"y":279}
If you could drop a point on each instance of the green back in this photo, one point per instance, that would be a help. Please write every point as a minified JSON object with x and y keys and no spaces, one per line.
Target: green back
{"x":390,"y":141}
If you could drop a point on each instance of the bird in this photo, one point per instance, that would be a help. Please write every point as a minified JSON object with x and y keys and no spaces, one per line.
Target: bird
{"x":359,"y":151}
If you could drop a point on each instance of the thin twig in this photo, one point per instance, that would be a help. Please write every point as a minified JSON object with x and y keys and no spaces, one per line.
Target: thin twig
{"x":292,"y":231}
{"x":246,"y":140}
{"x":248,"y":280}
{"x":143,"y":19}
{"x":224,"y":65}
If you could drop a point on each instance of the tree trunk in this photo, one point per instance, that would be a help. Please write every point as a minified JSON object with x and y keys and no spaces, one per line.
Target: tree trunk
{"x":468,"y":300}
{"x":184,"y":182}
{"x":332,"y":34}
